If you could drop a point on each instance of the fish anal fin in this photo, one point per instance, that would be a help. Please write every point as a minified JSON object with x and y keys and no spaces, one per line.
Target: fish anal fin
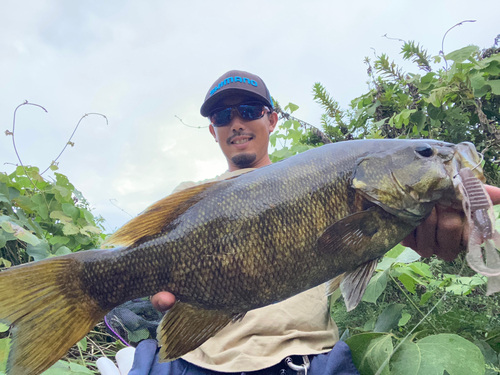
{"x":185,"y":327}
{"x":157,"y":216}
{"x":354,"y":284}
{"x":332,"y":285}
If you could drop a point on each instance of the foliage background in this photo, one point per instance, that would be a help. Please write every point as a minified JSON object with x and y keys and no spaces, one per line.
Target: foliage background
{"x":451,"y":326}
{"x":418,"y":316}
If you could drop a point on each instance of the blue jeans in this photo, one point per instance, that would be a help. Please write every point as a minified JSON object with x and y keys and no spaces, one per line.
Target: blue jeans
{"x":338,"y":361}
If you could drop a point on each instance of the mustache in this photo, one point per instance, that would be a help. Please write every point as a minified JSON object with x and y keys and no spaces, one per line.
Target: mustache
{"x":239,"y":134}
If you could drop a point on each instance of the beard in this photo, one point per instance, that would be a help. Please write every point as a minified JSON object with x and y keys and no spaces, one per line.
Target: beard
{"x":244,"y":160}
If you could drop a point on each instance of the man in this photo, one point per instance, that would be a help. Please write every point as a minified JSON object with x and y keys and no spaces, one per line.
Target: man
{"x":240,"y":110}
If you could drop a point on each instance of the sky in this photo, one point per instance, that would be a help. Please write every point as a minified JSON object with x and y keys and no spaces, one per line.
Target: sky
{"x":147,"y":64}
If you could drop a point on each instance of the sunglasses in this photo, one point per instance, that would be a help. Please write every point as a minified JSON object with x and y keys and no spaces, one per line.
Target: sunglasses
{"x":248,"y":112}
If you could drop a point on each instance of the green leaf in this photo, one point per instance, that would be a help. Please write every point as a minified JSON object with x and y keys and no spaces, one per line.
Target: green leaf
{"x":407,"y":256}
{"x":67,"y":368}
{"x":82,"y":344}
{"x":39,"y":252}
{"x":369,"y":351}
{"x":272,"y":139}
{"x":5,"y":263}
{"x":408,"y":282}
{"x":422,"y":269}
{"x":59,"y":215}
{"x":389,"y":318}
{"x":62,"y":194}
{"x":90,"y":229}
{"x":425,"y":297}
{"x":4,"y":327}
{"x":492,"y":69}
{"x":477,"y":81}
{"x":369,"y":325}
{"x":490,"y":356}
{"x":70,"y":210}
{"x":4,"y":352}
{"x":405,"y":317}
{"x":438,"y":353}
{"x":395,"y":251}
{"x":435,"y":113}
{"x":495,"y":86}
{"x":478,"y":93}
{"x":287,"y":124}
{"x":375,"y":287}
{"x":20,"y":233}
{"x":59,"y":239}
{"x":63,"y":250}
{"x":418,"y":118}
{"x":292,"y":107}
{"x":70,"y":229}
{"x":464,"y":285}
{"x":462,"y":54}
{"x":13,"y":192}
{"x":428,"y":77}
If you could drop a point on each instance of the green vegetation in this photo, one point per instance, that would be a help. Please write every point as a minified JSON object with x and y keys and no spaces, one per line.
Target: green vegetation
{"x":418,"y":316}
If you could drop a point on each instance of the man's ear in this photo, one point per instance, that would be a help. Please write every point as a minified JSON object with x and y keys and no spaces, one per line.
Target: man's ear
{"x":273,"y":121}
{"x":212,"y":131}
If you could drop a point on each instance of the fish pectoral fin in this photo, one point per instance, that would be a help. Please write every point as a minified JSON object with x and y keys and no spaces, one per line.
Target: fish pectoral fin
{"x":351,"y":234}
{"x":157,"y":216}
{"x":354,"y":284}
{"x":185,"y":327}
{"x":332,"y":285}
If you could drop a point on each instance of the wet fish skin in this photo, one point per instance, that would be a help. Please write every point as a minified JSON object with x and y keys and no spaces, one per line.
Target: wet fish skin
{"x":227,"y":247}
{"x":282,"y":210}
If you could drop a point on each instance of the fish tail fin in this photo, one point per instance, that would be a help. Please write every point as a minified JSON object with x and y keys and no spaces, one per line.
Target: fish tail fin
{"x":47,"y":310}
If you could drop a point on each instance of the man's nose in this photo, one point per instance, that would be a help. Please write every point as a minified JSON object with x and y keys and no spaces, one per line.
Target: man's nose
{"x":237,"y":122}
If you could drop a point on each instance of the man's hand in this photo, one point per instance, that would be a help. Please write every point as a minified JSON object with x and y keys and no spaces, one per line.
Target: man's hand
{"x":444,"y":233}
{"x":163,"y":301}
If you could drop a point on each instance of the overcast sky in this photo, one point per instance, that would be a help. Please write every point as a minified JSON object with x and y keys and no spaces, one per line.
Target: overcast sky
{"x":142,"y":63}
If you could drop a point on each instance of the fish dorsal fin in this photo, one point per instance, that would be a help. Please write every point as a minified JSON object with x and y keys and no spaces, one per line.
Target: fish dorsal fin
{"x":157,"y":216}
{"x":332,"y":285}
{"x":354,"y":284}
{"x":185,"y":327}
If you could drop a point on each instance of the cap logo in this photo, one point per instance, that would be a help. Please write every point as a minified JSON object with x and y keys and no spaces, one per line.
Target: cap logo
{"x":229,"y":80}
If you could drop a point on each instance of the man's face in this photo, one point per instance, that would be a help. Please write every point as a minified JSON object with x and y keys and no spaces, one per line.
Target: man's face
{"x":245,"y":143}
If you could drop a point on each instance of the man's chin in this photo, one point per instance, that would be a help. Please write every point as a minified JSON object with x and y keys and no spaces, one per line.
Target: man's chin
{"x":244,"y":160}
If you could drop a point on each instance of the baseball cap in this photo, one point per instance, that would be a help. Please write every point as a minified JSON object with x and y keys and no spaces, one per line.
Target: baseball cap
{"x":232,"y":82}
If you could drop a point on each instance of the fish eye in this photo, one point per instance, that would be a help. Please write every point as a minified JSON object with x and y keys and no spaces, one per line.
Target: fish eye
{"x":425,"y":150}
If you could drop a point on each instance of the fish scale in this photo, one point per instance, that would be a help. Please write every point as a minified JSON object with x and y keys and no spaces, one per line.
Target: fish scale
{"x":226,"y":247}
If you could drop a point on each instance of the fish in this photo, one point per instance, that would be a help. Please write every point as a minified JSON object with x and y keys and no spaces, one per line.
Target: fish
{"x":226,"y":247}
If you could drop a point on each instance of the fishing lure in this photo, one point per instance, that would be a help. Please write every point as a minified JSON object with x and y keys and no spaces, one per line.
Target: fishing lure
{"x":478,"y":209}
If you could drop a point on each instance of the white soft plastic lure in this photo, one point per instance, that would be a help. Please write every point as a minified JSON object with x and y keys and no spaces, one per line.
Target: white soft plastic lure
{"x":481,"y":220}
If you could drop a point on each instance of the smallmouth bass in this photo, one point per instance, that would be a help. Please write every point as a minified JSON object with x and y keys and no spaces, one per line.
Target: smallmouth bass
{"x":226,"y":247}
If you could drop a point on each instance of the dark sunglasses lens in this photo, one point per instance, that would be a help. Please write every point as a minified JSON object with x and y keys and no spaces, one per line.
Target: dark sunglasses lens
{"x":250,"y":112}
{"x":221,"y":118}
